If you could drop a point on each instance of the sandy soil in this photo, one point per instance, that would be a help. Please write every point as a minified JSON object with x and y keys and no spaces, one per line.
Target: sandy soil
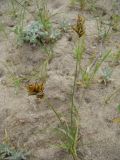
{"x":30,"y":123}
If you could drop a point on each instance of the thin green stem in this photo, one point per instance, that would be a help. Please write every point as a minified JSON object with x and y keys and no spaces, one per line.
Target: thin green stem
{"x":57,"y":115}
{"x":73,"y":92}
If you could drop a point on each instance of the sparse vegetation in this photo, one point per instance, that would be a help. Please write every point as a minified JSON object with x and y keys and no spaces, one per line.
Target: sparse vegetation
{"x":36,"y":33}
{"x":69,"y":127}
{"x":88,"y":73}
{"x":8,"y":152}
{"x":65,"y":63}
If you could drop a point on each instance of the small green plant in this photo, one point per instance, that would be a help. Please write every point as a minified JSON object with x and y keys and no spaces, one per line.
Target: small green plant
{"x":107,"y":72}
{"x":36,"y":33}
{"x":10,"y":153}
{"x":64,"y":25}
{"x":89,"y":72}
{"x":106,"y":75}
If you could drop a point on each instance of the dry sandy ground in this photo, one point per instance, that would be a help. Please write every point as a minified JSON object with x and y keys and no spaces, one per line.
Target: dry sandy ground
{"x":30,"y":123}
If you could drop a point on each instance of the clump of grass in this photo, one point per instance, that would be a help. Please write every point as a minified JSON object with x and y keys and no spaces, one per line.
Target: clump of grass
{"x":69,"y":134}
{"x":89,"y":72}
{"x":43,"y":14}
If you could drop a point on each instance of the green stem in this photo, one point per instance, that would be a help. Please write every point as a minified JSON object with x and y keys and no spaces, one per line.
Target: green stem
{"x":57,"y":115}
{"x":73,"y":92}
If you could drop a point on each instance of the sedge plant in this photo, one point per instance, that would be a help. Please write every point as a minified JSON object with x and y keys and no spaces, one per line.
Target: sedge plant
{"x":69,"y":128}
